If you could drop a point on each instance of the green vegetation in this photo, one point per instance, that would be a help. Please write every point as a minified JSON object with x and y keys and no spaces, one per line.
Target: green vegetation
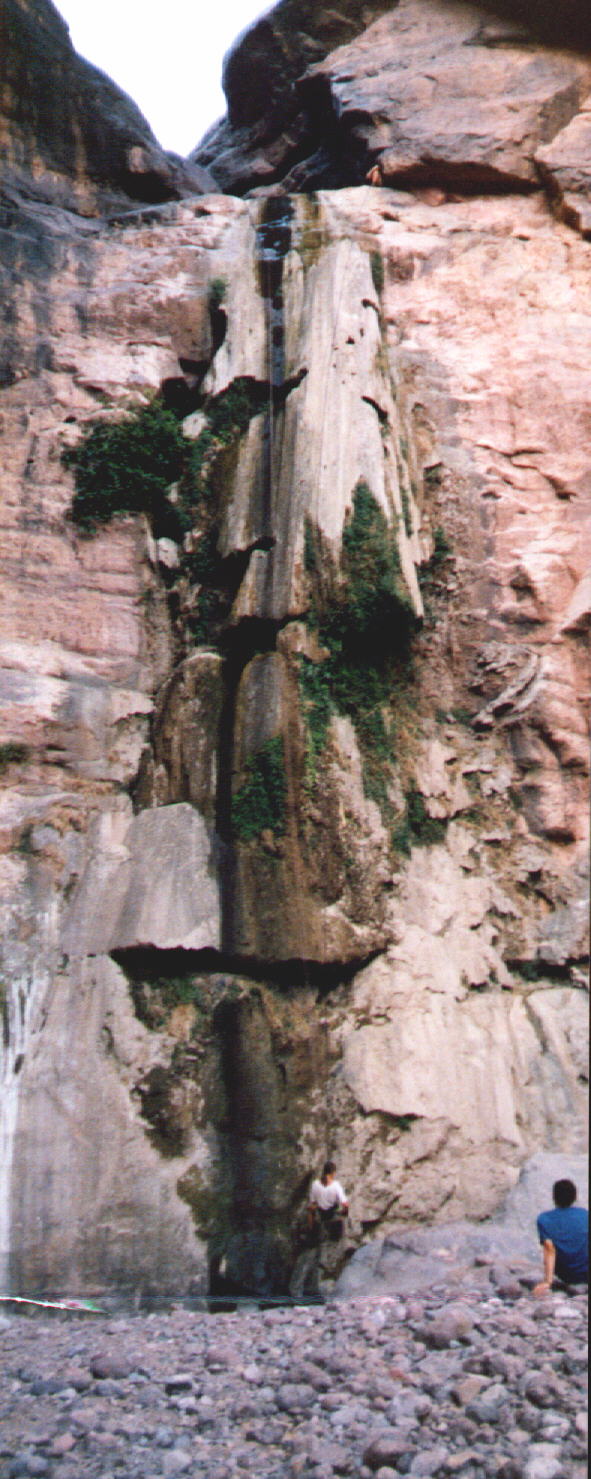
{"x":156,"y":996}
{"x":442,"y":547}
{"x":229,"y":413}
{"x":228,"y":417}
{"x":176,"y":990}
{"x":317,"y":706}
{"x":457,"y":713}
{"x":126,"y":466}
{"x":203,"y":568}
{"x":260,"y":803}
{"x":431,"y":572}
{"x":371,"y":619}
{"x":12,"y":753}
{"x":406,"y":512}
{"x":377,"y":271}
{"x":366,"y":630}
{"x":417,"y":828}
{"x":462,"y":715}
{"x":216,"y":293}
{"x":310,"y":550}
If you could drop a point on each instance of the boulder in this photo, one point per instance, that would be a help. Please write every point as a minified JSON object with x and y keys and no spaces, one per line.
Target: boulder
{"x":307,"y":106}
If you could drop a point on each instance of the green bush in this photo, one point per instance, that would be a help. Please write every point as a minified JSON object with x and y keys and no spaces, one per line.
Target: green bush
{"x":442,"y":547}
{"x":228,"y":417}
{"x":370,"y":622}
{"x":126,"y":466}
{"x":216,"y":292}
{"x":417,"y":828}
{"x":230,"y":412}
{"x":260,"y":803}
{"x":12,"y":753}
{"x":310,"y":550}
{"x":377,"y":271}
{"x":316,"y":701}
{"x":366,"y":629}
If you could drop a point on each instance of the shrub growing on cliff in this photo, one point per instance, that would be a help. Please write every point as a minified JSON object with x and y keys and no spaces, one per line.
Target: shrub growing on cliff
{"x":12,"y":753}
{"x":368,"y":624}
{"x":366,"y":629}
{"x":372,"y":620}
{"x":126,"y":466}
{"x":260,"y":803}
{"x":377,"y":271}
{"x":417,"y":828}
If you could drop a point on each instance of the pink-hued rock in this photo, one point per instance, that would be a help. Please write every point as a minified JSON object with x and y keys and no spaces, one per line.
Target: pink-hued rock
{"x":564,"y":164}
{"x":456,"y":100}
{"x":439,"y":96}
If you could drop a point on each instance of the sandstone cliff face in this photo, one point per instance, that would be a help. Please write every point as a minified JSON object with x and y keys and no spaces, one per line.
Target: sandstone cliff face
{"x":294,"y":803}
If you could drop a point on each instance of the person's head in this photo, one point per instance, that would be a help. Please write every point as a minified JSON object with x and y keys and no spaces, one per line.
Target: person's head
{"x":328,"y":1171}
{"x":564,"y":1193}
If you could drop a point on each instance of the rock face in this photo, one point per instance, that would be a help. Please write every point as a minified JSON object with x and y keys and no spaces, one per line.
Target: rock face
{"x":424,"y":92}
{"x":294,"y":766}
{"x":406,"y":1260}
{"x":70,"y":137}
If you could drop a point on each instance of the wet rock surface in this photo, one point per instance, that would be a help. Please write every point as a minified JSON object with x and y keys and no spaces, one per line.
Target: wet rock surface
{"x":476,"y":1384}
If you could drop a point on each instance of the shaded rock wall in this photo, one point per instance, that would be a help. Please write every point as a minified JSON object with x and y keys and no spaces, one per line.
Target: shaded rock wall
{"x":294,"y":804}
{"x":69,"y":136}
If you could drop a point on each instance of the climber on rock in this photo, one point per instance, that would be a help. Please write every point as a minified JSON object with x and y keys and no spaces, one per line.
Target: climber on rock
{"x":375,"y":175}
{"x":321,"y":1231}
{"x":564,"y":1236}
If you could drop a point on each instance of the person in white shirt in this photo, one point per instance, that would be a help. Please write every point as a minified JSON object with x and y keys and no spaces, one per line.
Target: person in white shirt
{"x":327,"y":1206}
{"x":327,"y":1194}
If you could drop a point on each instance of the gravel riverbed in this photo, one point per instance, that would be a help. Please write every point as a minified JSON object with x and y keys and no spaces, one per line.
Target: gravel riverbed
{"x":479,"y":1380}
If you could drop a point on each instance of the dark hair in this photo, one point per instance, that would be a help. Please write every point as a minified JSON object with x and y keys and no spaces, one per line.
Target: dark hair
{"x":564,"y":1193}
{"x":328,"y":1169}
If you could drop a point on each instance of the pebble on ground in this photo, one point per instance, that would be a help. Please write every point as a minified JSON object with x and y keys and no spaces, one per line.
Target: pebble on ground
{"x":484,"y":1381}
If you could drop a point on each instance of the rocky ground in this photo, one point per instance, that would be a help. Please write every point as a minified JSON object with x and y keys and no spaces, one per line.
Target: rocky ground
{"x":478,"y":1379}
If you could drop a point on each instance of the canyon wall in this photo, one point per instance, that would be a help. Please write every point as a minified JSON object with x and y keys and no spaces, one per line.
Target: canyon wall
{"x":294,"y":761}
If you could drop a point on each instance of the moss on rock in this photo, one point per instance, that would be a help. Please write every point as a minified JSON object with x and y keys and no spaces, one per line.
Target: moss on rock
{"x":259,"y":805}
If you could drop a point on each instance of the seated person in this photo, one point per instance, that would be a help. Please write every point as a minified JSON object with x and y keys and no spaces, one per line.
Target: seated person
{"x":564,"y":1235}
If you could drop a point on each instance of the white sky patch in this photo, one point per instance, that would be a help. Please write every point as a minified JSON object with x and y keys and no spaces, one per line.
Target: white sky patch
{"x":168,"y":58}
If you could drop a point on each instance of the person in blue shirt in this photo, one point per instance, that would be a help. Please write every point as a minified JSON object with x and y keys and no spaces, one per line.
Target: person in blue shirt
{"x":564,"y":1235}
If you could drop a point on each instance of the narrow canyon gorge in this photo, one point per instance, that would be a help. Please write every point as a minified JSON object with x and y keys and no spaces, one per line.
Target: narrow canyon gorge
{"x":294,"y":673}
